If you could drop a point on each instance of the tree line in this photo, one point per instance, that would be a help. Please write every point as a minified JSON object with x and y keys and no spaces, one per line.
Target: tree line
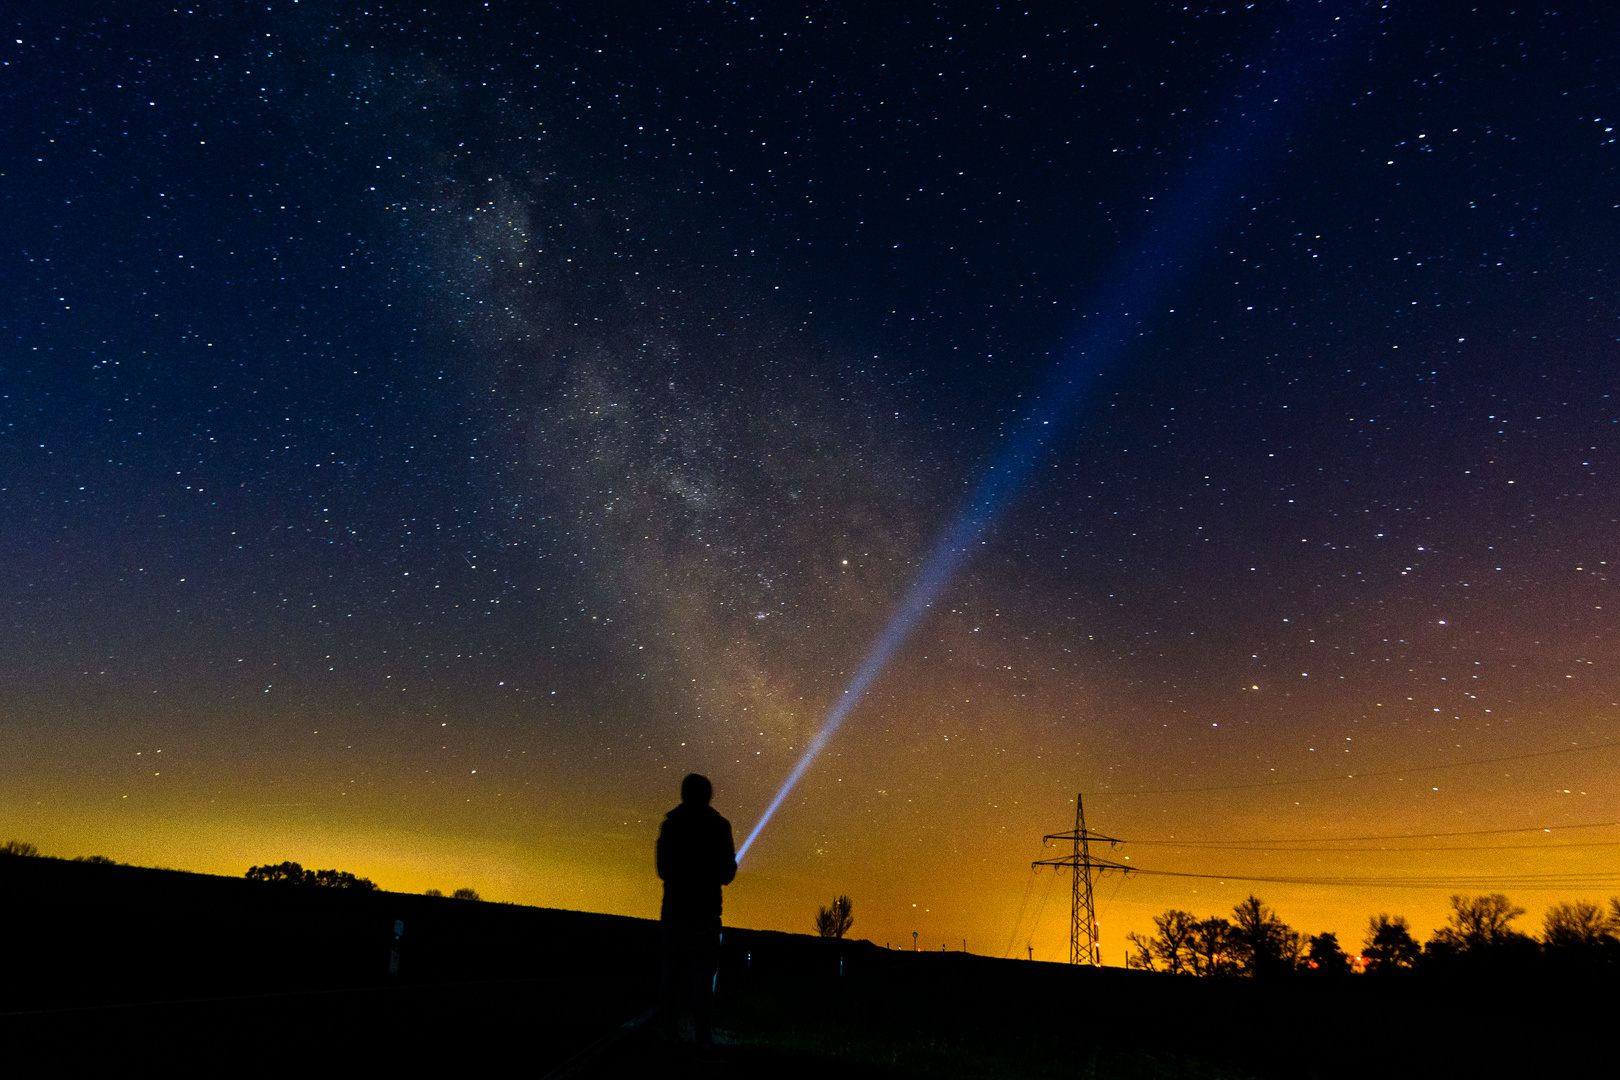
{"x":290,"y":873}
{"x":284,"y":873}
{"x":1255,"y":942}
{"x":22,"y":849}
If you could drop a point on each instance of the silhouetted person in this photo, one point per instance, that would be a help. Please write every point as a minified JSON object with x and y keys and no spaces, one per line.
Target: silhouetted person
{"x":695,"y":858}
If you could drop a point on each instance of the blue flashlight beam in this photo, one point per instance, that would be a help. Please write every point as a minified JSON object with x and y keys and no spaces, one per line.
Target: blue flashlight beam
{"x":953,"y":549}
{"x":1256,"y":122}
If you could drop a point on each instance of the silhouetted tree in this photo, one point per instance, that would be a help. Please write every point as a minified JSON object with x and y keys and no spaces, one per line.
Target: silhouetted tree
{"x":1324,"y":957}
{"x":1574,"y":924}
{"x":289,"y":872}
{"x":1264,"y":943}
{"x":1578,"y":928}
{"x":1173,"y":944}
{"x":1478,"y":923}
{"x":834,"y":921}
{"x":1141,"y":952}
{"x":1213,"y":947}
{"x":433,"y":892}
{"x":1389,"y":945}
{"x":19,"y":847}
{"x":465,"y":894}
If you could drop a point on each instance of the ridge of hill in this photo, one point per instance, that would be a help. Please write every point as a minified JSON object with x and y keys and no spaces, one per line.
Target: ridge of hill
{"x":212,"y":966}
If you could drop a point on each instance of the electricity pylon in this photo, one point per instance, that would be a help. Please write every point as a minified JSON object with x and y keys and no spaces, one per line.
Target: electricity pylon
{"x":1083,"y":909}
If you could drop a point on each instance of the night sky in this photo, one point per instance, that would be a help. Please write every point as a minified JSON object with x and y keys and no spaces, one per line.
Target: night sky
{"x":427,"y":435}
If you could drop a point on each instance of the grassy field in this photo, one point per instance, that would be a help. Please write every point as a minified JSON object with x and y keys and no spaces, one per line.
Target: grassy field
{"x":900,"y":1033}
{"x":103,"y":961}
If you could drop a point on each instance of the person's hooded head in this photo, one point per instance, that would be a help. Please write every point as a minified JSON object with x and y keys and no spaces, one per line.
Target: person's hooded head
{"x":696,"y":790}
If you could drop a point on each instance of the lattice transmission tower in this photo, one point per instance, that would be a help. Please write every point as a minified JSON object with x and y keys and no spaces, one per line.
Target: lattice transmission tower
{"x":1084,"y":946}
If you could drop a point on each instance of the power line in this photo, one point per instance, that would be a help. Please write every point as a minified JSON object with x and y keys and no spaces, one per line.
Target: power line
{"x":1520,"y":881}
{"x":1213,"y":846}
{"x":1019,"y":921}
{"x":1360,"y":776}
{"x":1389,"y":836}
{"x":1040,"y":910}
{"x":1563,"y":880}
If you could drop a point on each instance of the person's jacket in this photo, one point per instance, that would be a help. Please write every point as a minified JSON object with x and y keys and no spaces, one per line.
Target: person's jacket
{"x":695,"y":858}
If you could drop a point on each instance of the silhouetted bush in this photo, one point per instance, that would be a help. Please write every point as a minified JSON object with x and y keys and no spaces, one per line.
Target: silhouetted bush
{"x":290,"y":873}
{"x":19,"y":847}
{"x":465,"y":894}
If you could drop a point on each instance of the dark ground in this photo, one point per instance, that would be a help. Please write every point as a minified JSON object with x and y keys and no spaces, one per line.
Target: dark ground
{"x":111,"y":964}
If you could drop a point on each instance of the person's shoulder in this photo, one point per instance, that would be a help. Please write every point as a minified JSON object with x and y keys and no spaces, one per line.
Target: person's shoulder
{"x":688,"y":815}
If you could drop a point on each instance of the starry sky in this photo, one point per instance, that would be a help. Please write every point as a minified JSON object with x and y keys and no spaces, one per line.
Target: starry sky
{"x":426,"y":435}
